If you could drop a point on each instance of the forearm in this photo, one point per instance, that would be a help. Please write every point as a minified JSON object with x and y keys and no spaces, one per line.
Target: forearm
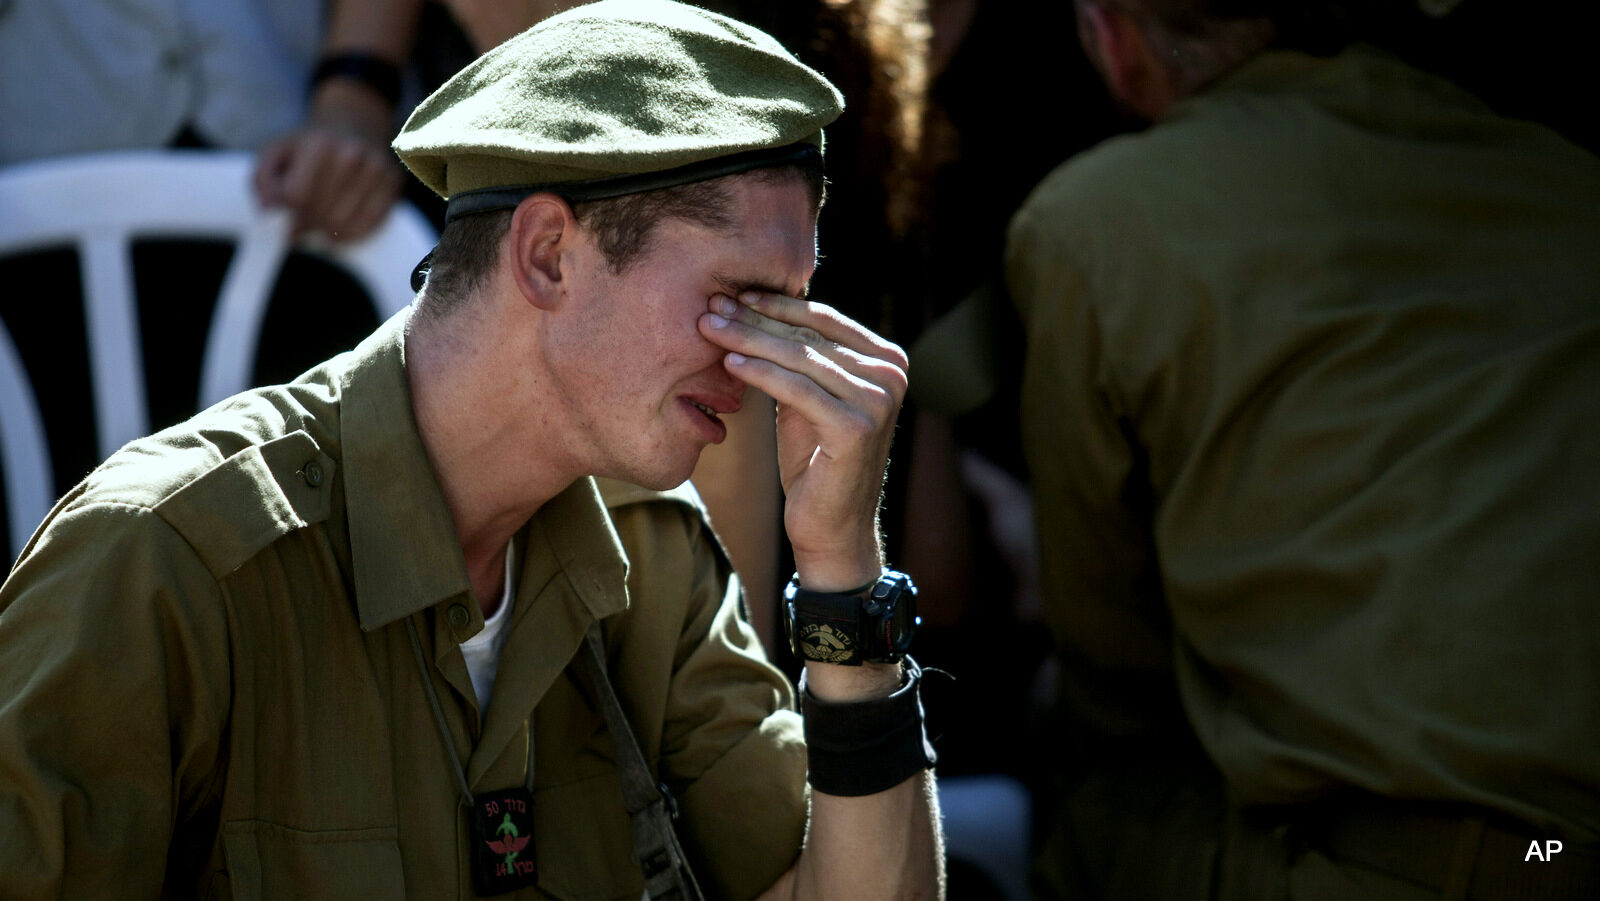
{"x":488,"y":23}
{"x":873,"y":830}
{"x":885,"y":845}
{"x":381,"y":28}
{"x":881,"y":845}
{"x":336,"y":173}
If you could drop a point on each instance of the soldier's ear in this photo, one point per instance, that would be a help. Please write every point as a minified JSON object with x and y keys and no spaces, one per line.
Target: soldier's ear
{"x":1119,"y":46}
{"x":542,"y":233}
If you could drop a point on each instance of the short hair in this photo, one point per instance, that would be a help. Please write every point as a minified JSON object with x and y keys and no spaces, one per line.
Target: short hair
{"x":1198,"y":41}
{"x":469,"y":247}
{"x":1316,"y":26}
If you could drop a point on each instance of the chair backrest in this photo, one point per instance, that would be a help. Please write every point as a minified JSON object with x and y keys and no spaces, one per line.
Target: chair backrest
{"x":98,"y":204}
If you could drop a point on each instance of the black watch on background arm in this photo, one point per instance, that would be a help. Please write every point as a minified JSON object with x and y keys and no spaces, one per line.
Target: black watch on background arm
{"x":871,"y":625}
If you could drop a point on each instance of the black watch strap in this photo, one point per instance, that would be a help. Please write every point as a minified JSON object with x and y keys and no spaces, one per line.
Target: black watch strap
{"x":872,"y":624}
{"x":825,"y":626}
{"x":378,"y":74}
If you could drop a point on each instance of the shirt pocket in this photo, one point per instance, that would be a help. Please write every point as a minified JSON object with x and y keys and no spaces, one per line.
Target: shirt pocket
{"x":583,"y":841}
{"x":268,"y":861}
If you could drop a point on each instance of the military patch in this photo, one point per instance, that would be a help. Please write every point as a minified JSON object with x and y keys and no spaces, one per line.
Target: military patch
{"x":502,"y":834}
{"x":826,"y":644}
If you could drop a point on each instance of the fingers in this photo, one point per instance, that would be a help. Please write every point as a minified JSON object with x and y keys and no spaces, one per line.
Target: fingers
{"x":839,"y":389}
{"x":803,"y":378}
{"x":849,"y":394}
{"x":824,"y":321}
{"x":268,"y":175}
{"x":356,"y":203}
{"x":841,"y":356}
{"x":374,"y":205}
{"x":332,"y":182}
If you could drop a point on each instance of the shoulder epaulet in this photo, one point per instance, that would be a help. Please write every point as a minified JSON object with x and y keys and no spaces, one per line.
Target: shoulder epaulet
{"x":252,"y":499}
{"x":621,"y":494}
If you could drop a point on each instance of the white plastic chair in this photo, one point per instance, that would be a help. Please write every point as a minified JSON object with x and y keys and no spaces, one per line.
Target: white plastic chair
{"x":98,"y":204}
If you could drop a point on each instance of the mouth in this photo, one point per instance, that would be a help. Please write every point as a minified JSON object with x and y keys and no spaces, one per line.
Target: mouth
{"x":707,"y":412}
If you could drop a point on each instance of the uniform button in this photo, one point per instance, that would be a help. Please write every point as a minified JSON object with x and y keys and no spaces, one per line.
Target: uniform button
{"x":312,"y":473}
{"x":459,"y":617}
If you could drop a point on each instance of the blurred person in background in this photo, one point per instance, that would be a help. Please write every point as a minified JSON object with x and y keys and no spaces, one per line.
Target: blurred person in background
{"x":1308,"y":403}
{"x":313,"y":85}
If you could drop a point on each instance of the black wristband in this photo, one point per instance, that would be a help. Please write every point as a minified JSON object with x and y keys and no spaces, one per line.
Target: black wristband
{"x":380,"y":75}
{"x":864,"y":747}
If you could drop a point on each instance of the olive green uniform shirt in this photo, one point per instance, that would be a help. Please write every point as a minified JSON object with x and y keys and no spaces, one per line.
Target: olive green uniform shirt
{"x":207,"y":686}
{"x":1312,"y":408}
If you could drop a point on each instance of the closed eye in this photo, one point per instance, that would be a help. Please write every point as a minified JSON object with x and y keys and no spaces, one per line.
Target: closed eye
{"x":735,"y":286}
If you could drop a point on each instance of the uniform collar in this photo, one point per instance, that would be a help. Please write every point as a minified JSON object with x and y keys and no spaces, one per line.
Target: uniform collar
{"x":1359,"y":71}
{"x":587,"y":547}
{"x":403,"y":544}
{"x":1270,"y":71}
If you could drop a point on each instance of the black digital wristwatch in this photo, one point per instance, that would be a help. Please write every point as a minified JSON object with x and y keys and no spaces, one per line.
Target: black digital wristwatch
{"x":872,"y":625}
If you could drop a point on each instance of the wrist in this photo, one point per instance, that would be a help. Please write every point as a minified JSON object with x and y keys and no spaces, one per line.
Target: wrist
{"x":839,"y":571}
{"x":838,"y":684}
{"x":350,"y":107}
{"x":863,"y":624}
{"x":865,"y":746}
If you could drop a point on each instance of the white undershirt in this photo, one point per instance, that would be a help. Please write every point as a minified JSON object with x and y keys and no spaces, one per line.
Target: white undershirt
{"x":482,"y":651}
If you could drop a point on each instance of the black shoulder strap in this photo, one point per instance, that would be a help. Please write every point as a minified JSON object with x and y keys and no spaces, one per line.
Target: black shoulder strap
{"x":655,"y":844}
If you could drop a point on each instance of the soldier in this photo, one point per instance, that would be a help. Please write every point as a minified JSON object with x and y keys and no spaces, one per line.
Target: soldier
{"x":355,"y":636}
{"x":1309,"y":408}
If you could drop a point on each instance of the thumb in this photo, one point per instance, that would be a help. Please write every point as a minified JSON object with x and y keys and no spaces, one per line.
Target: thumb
{"x":271,"y":164}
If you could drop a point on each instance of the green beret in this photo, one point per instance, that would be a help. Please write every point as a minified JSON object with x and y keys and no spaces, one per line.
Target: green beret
{"x":616,"y":89}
